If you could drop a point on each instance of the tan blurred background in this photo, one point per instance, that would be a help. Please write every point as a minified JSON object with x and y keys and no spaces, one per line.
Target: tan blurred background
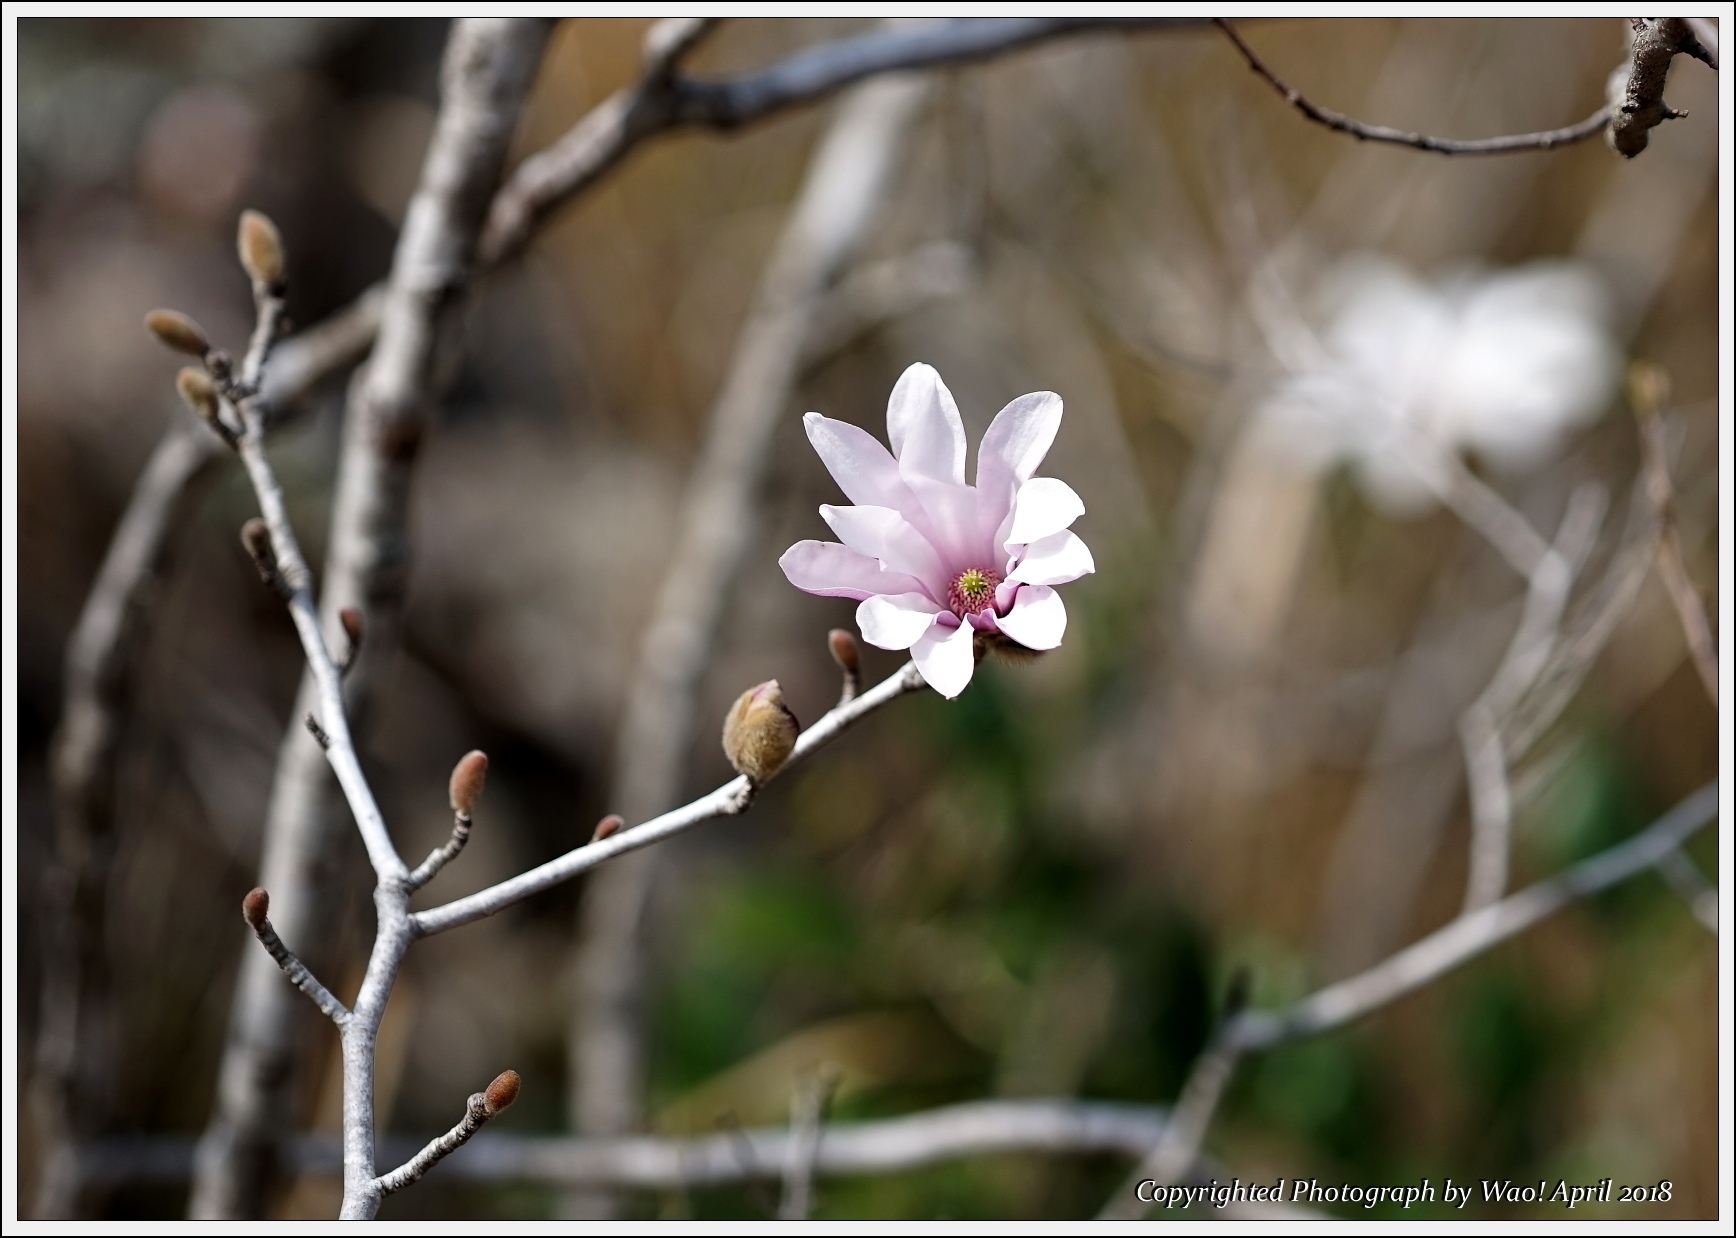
{"x":1244,"y":755}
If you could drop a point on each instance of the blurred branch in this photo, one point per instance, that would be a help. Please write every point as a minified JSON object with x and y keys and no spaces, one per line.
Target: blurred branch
{"x":662,"y":101}
{"x":1546,"y":139}
{"x":1171,"y":1157}
{"x":730,"y":799}
{"x":849,"y":176}
{"x":1691,"y":887}
{"x":1471,"y":934}
{"x":808,"y":1105}
{"x":487,"y":73}
{"x":1649,"y":386}
{"x":1547,"y":589}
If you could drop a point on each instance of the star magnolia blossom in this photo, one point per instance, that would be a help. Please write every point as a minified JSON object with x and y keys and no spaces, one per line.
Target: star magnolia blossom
{"x":934,"y":561}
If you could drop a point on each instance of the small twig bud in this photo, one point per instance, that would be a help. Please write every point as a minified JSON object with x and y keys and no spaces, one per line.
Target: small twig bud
{"x":255,"y":906}
{"x":467,"y":779}
{"x":261,"y":249}
{"x":844,"y":651}
{"x":177,"y":331}
{"x":197,"y":390}
{"x":609,"y":825}
{"x":256,"y":537}
{"x":501,"y":1093}
{"x":759,"y":732}
{"x":350,"y":619}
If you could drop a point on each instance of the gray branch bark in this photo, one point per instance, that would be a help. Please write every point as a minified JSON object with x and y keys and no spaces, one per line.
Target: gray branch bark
{"x":487,"y":73}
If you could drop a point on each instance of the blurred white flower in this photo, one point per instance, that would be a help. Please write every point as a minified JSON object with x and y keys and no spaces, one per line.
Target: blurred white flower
{"x":1501,"y":363}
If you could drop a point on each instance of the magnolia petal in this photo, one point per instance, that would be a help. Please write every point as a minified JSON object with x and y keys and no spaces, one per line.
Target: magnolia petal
{"x":924,"y":427}
{"x":889,"y":537}
{"x":1015,"y":444}
{"x":864,"y":470}
{"x":831,"y":570}
{"x":952,"y":513}
{"x":1054,"y":560}
{"x":1045,"y":505}
{"x":946,"y":657}
{"x":1037,"y":620}
{"x":895,"y":622}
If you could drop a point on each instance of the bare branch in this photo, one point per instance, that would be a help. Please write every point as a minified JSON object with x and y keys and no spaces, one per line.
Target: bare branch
{"x":808,"y":1105}
{"x":1469,"y":935}
{"x":1171,"y":1158}
{"x":443,"y":855}
{"x":1691,"y":887}
{"x":658,"y":104}
{"x":1636,"y":90}
{"x":254,"y":908}
{"x":1649,"y":388}
{"x":1547,"y":139}
{"x":731,"y":798}
{"x":477,"y":1111}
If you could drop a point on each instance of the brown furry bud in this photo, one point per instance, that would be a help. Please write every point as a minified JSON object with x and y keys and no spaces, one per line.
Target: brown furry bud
{"x":610,"y":824}
{"x":351,"y":619}
{"x":501,"y":1093}
{"x":759,"y":731}
{"x":467,"y":779}
{"x":844,"y":651}
{"x":261,"y":249}
{"x":255,"y":906}
{"x":199,"y":392}
{"x":177,"y":331}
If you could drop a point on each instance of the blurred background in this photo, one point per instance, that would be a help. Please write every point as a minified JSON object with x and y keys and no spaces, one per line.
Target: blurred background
{"x":1245,"y":755}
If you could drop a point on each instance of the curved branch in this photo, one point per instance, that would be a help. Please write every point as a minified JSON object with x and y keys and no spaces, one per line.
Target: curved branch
{"x":1547,"y":139}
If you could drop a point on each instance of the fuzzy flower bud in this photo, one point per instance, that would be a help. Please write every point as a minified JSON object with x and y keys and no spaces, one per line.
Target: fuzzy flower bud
{"x":351,"y":619}
{"x":466,"y":786}
{"x":255,"y":906}
{"x":844,"y":651}
{"x":759,"y":731}
{"x":199,"y":392}
{"x":177,"y":331}
{"x":608,"y":826}
{"x":261,"y":249}
{"x":256,"y":537}
{"x":501,"y":1093}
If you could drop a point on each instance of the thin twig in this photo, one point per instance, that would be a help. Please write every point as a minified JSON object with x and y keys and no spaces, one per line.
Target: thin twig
{"x":443,"y":855}
{"x":731,"y":798}
{"x":1172,"y":1157}
{"x":1547,"y":139}
{"x":298,"y":973}
{"x":1469,"y":935}
{"x":808,"y":1105}
{"x":1691,"y":886}
{"x":477,"y":1111}
{"x":1690,"y":609}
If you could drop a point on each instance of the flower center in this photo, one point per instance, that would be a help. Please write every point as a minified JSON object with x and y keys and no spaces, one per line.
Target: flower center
{"x":972,"y":590}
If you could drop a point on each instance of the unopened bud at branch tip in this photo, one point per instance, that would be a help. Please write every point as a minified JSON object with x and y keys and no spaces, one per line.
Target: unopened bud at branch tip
{"x":501,"y":1093}
{"x":467,"y":779}
{"x":351,"y":619}
{"x":261,"y":249}
{"x":609,"y":825}
{"x":177,"y":331}
{"x":759,"y":732}
{"x":255,"y":906}
{"x":844,"y":651}
{"x":256,"y":536}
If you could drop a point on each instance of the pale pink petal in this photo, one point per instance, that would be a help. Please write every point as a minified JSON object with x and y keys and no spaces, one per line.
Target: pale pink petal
{"x":945,"y":657}
{"x":952,"y":516}
{"x":1054,"y":560}
{"x":1045,"y":505}
{"x":1037,"y":620}
{"x":831,"y":570}
{"x":924,"y":427}
{"x":895,"y":622}
{"x":864,"y":470}
{"x":889,"y":537}
{"x":1015,"y":444}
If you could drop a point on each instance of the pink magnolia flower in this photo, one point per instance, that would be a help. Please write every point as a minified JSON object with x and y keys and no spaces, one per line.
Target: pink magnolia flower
{"x":934,"y":561}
